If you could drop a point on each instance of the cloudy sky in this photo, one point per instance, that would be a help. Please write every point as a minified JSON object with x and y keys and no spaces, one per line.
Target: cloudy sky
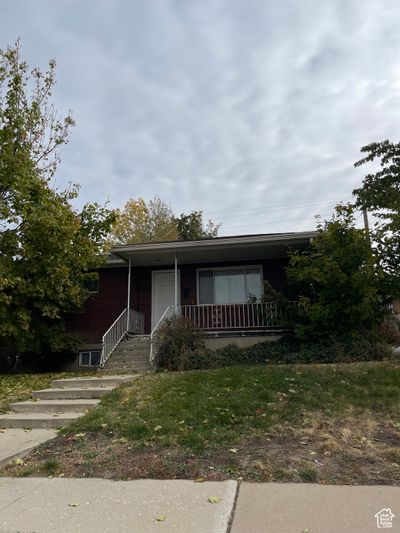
{"x":252,"y":111}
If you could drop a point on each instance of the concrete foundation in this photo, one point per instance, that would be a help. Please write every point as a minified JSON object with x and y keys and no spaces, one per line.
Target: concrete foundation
{"x":213,"y":343}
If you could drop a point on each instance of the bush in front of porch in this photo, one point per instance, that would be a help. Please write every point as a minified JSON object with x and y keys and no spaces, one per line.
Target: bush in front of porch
{"x":181,"y":347}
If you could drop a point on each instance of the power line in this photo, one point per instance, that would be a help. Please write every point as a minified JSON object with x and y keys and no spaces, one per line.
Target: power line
{"x":275,"y":206}
{"x":272,"y":222}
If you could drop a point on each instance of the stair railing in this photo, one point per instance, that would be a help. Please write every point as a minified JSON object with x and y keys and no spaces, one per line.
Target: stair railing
{"x":170,"y":310}
{"x":132,"y":322}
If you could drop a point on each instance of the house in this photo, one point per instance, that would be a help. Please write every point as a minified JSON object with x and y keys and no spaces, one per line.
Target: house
{"x":216,"y":283}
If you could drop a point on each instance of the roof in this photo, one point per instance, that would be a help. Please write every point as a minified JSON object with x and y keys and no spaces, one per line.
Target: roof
{"x":229,"y":248}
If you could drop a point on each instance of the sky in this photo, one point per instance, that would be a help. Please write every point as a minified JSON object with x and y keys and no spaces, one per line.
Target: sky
{"x":253,"y":111}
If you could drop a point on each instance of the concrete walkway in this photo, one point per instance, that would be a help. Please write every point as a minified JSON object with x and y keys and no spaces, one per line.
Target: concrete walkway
{"x":44,"y":505}
{"x":60,"y":505}
{"x":18,"y":442}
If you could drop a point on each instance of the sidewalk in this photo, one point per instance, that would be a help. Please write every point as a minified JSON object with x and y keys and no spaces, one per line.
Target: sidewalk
{"x":58,"y":505}
{"x":18,"y":442}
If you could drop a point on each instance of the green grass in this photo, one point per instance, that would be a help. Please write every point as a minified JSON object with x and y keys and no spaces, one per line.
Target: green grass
{"x":202,"y":409}
{"x":19,"y":387}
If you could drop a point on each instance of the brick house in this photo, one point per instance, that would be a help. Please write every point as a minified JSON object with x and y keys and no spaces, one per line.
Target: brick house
{"x":216,"y":283}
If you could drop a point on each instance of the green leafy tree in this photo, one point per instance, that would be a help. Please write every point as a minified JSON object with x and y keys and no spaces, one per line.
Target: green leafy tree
{"x":47,"y":248}
{"x":191,"y":227}
{"x":336,"y":282}
{"x":380,"y":194}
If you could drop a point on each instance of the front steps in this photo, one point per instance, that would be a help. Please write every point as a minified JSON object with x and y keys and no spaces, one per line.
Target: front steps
{"x":64,"y":402}
{"x":131,"y":355}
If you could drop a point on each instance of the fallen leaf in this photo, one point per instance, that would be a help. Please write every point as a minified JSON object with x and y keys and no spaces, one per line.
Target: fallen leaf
{"x":214,"y":499}
{"x":19,"y":461}
{"x":80,"y":434}
{"x":157,"y":428}
{"x":199,"y":480}
{"x":306,"y":530}
{"x":161,"y":518}
{"x":233,"y":450}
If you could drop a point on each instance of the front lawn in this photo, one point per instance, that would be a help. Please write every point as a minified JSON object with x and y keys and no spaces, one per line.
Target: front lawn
{"x":325,"y":423}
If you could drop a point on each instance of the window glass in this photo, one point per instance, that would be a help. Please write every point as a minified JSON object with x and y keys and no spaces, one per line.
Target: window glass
{"x":206,"y":287}
{"x":92,"y":285}
{"x":224,"y":286}
{"x":95,"y":358}
{"x":253,"y":283}
{"x":229,"y":286}
{"x":85,"y":359}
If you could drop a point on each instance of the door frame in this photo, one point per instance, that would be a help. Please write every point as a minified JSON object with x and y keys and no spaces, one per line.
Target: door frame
{"x":153,"y":276}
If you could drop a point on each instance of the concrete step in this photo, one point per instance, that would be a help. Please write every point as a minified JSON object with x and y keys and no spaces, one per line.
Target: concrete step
{"x":54,"y":406}
{"x":125,"y":367}
{"x":137,"y":339}
{"x":37,"y":420}
{"x":129,"y":358}
{"x":129,"y":362}
{"x":72,"y":394}
{"x":129,"y":346}
{"x":71,"y":383}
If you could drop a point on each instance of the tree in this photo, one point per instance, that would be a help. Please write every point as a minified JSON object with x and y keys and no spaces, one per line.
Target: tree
{"x":380,"y":193}
{"x":140,"y":222}
{"x":190,"y":227}
{"x":47,"y":248}
{"x":337,"y":282}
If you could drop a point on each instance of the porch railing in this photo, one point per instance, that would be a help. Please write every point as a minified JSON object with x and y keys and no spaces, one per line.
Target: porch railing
{"x":217,"y":317}
{"x":129,"y":321}
{"x":229,"y":317}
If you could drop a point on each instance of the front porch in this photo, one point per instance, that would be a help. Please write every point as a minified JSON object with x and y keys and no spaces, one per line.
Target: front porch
{"x":217,"y":284}
{"x":255,"y":319}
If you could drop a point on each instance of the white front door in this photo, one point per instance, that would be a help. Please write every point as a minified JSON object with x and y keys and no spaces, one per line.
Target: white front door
{"x":163,"y":293}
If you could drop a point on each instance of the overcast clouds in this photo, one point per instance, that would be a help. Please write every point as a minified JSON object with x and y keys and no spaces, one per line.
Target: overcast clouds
{"x":251,"y":110}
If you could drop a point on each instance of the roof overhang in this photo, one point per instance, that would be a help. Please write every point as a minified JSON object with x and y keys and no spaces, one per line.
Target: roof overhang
{"x":220,"y":249}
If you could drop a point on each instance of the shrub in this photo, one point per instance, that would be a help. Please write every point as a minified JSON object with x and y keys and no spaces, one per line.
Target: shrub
{"x":179,"y":345}
{"x":337,"y":282}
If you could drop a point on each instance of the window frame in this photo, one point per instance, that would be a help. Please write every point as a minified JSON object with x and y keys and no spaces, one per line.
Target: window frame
{"x":90,"y":352}
{"x":235,"y":267}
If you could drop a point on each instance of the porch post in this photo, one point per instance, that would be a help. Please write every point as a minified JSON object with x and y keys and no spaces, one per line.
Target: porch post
{"x":128,"y":304}
{"x":176,"y":281}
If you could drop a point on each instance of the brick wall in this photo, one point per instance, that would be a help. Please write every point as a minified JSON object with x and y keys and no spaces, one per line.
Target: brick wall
{"x":103,"y":308}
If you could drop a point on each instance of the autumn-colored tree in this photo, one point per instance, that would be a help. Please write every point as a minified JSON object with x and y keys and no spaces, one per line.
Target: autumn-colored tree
{"x":140,"y":222}
{"x":47,"y":248}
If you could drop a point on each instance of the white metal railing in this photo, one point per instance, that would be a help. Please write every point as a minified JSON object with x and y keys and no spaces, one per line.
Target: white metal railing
{"x":132,"y":322}
{"x":170,"y":310}
{"x":219,"y":317}
{"x":213,"y":317}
